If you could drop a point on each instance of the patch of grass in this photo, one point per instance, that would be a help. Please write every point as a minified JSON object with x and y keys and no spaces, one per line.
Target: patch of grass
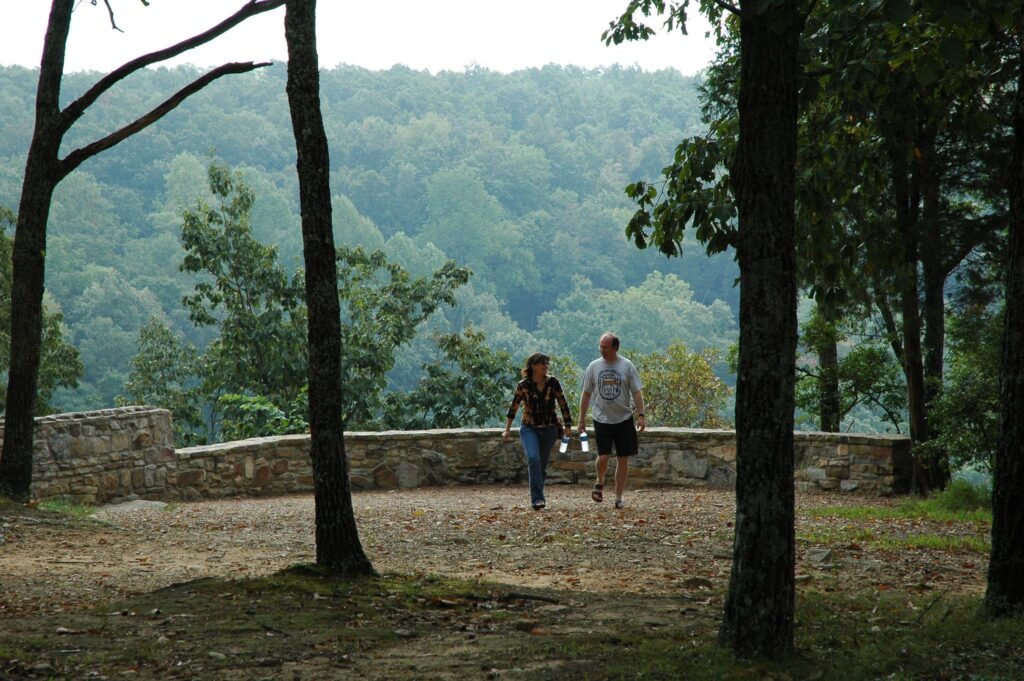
{"x":304,"y":622}
{"x":887,"y":635}
{"x":8,"y":652}
{"x":959,"y":503}
{"x":65,"y":507}
{"x":894,"y":634}
{"x":936,"y":542}
{"x":961,"y":496}
{"x":953,"y":505}
{"x":885,"y":542}
{"x":913,"y":510}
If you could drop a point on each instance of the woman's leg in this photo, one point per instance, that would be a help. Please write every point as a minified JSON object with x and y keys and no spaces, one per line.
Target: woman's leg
{"x":548,"y":438}
{"x":531,"y":445}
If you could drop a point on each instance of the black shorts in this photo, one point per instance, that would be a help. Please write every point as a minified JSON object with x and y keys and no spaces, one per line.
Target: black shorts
{"x":621,"y":436}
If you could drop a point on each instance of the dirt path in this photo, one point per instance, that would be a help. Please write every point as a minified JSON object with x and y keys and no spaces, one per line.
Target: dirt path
{"x":579,"y":590}
{"x":667,"y":541}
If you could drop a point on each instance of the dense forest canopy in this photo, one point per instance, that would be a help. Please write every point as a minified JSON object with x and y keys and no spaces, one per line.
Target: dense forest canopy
{"x":519,"y":177}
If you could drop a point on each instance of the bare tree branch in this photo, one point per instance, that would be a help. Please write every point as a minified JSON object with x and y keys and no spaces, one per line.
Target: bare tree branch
{"x":810,"y":10}
{"x":892,"y":331}
{"x":76,"y":157}
{"x":969,"y":239}
{"x":110,"y":11}
{"x":76,"y":108}
{"x":728,"y":7}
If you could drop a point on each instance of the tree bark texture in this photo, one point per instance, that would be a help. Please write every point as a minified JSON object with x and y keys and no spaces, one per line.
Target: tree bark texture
{"x":932,"y":266}
{"x":44,"y":170}
{"x":42,"y":173}
{"x":337,"y":538}
{"x":932,"y":252}
{"x":1005,"y":594}
{"x":906,"y":203}
{"x":759,"y":608}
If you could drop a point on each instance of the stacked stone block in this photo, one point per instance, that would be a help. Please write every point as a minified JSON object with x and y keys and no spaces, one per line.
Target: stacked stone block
{"x":96,"y":456}
{"x":871,"y":464}
{"x":122,"y":454}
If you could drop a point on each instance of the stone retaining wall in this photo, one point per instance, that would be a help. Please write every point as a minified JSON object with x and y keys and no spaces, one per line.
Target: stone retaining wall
{"x":118,"y":454}
{"x":103,"y":455}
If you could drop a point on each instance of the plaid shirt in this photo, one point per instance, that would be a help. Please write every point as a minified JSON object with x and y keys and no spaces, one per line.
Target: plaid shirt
{"x":539,"y":405}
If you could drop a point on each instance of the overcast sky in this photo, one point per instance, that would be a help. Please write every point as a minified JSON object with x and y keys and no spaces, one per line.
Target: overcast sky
{"x":434,"y":35}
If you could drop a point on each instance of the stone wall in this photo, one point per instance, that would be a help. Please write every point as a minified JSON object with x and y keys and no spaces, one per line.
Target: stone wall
{"x":103,"y":455}
{"x":118,"y":454}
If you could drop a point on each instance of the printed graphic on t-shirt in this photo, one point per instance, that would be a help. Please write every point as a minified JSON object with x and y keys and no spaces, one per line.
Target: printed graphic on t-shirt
{"x":609,"y":384}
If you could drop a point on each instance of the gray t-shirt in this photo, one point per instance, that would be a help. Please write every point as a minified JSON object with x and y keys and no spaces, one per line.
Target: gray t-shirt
{"x":611,"y":386}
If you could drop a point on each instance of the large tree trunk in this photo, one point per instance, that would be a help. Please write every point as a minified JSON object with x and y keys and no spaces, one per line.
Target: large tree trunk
{"x":759,"y":609}
{"x":26,"y":334}
{"x":337,"y":539}
{"x":42,"y":173}
{"x":1005,"y":595}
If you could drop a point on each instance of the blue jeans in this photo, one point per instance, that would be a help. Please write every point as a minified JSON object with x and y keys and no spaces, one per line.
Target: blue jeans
{"x":537,"y":442}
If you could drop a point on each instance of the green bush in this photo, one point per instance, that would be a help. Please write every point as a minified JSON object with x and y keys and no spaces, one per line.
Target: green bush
{"x":248,"y":416}
{"x":961,"y":495}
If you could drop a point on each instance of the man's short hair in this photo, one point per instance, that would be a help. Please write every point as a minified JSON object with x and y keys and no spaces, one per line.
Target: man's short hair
{"x":612,"y":337}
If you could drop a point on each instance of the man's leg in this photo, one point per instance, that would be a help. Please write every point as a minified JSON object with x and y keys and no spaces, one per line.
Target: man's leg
{"x":602,"y":469}
{"x":626,"y":445}
{"x":621,"y":474}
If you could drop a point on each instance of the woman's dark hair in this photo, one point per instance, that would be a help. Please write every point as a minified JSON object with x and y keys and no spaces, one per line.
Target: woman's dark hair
{"x":535,"y":358}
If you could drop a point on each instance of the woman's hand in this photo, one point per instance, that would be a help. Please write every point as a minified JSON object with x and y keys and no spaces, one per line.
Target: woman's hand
{"x":507,"y":435}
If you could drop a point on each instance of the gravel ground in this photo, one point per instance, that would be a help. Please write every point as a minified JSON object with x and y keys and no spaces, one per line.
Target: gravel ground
{"x":664,"y":541}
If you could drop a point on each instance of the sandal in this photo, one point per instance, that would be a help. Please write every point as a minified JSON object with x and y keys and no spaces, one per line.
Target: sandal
{"x":619,"y":504}
{"x":597,"y":494}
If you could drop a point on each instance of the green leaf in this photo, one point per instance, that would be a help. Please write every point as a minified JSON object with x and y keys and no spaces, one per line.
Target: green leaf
{"x":953,"y":51}
{"x":898,"y":11}
{"x":926,"y":72}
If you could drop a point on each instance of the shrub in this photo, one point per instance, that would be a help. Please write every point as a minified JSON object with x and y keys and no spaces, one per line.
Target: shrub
{"x":961,"y":495}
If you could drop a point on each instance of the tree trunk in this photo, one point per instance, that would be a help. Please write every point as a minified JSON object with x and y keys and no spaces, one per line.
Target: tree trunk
{"x":44,"y":169}
{"x":913,"y":365}
{"x":933,"y":268}
{"x":337,"y":539}
{"x":830,"y":408}
{"x":25,"y":334}
{"x":42,"y":173}
{"x":1005,"y":594}
{"x":759,"y":608}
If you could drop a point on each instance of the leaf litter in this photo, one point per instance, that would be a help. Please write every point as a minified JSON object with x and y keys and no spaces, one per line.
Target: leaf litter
{"x":576,"y":566}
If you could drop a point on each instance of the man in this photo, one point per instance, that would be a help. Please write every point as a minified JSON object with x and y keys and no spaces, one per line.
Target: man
{"x":615,"y":385}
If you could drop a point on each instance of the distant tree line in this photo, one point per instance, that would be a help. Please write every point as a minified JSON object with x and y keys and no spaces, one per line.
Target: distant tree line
{"x":531,"y":164}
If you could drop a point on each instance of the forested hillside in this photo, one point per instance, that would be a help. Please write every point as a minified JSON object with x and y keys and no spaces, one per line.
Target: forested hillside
{"x":518,"y":177}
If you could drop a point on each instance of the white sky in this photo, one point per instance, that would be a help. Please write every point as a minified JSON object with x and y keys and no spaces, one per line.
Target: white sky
{"x":423,"y":34}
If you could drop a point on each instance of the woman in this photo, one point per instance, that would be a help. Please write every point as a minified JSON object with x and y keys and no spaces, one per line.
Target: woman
{"x":539,"y":429}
